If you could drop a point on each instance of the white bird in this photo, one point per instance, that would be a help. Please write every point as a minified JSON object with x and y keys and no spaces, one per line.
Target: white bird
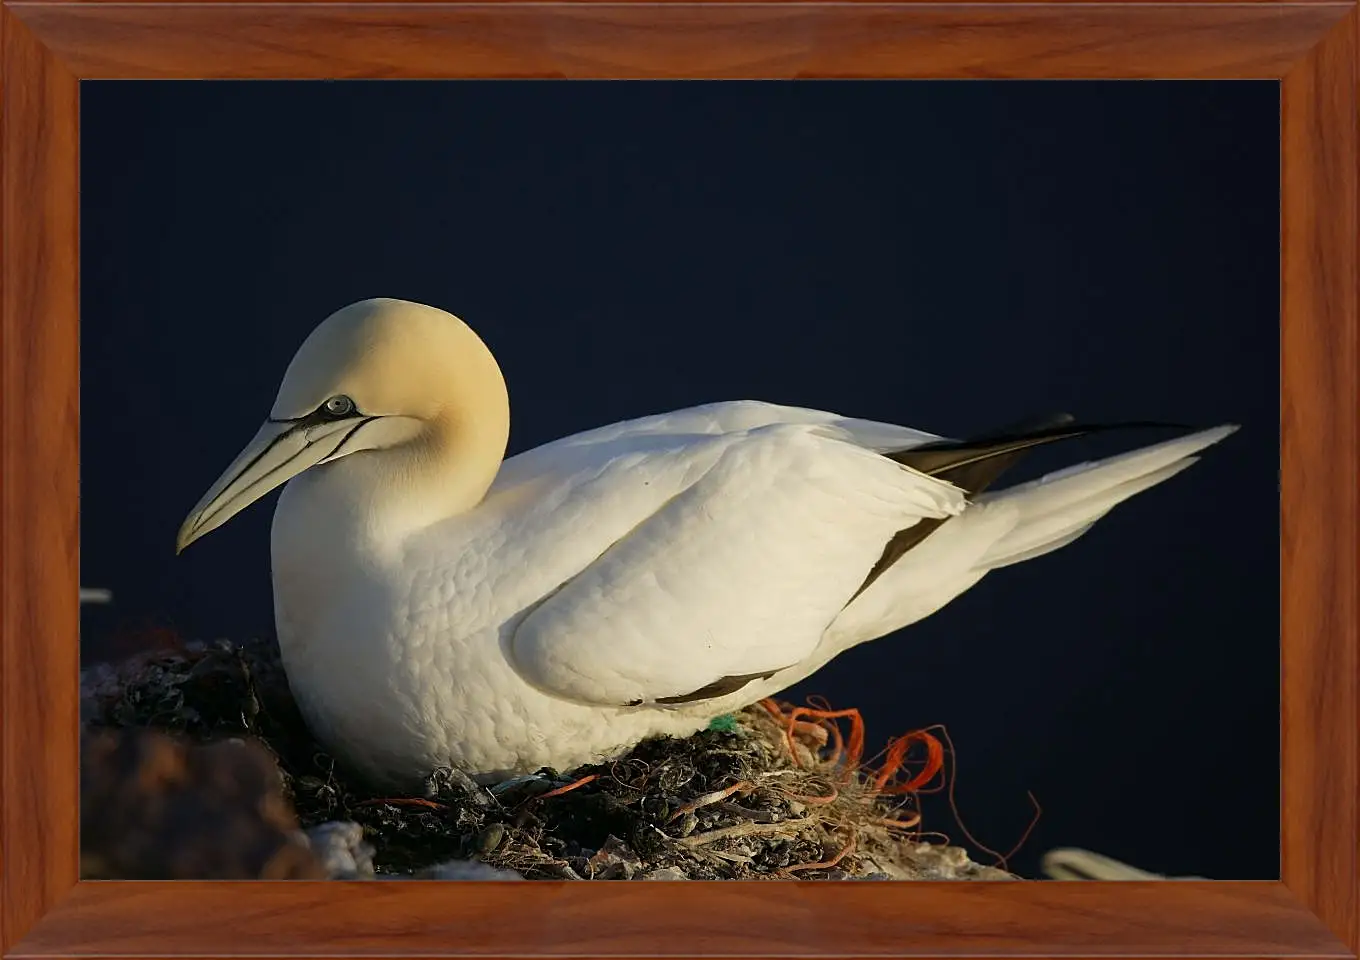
{"x":437,"y":604}
{"x":1073,"y":863}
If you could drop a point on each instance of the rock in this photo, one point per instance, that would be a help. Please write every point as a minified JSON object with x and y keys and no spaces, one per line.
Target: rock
{"x":613,"y":861}
{"x":153,"y":807}
{"x":929,"y":861}
{"x":446,"y":782}
{"x":489,"y":839}
{"x":664,"y":873}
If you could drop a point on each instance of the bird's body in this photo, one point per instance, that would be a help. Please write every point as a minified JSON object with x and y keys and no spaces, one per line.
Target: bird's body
{"x":437,"y":606}
{"x":638,"y":561}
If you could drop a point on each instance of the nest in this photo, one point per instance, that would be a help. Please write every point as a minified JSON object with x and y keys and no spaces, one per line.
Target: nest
{"x":773,"y":792}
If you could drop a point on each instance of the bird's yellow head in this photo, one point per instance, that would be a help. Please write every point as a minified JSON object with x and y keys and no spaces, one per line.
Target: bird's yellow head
{"x":376,"y":375}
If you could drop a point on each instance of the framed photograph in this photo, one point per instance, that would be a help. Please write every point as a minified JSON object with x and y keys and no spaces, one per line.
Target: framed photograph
{"x":963,"y":258}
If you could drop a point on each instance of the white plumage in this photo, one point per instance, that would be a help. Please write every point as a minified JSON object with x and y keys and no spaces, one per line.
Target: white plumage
{"x":437,"y":606}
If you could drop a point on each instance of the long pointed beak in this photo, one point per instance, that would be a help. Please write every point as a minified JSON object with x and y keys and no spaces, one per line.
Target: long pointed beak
{"x":279,"y":452}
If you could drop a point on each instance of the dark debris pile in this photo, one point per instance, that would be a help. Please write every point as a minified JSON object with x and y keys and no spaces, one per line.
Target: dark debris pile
{"x":731,"y":802}
{"x":153,"y":807}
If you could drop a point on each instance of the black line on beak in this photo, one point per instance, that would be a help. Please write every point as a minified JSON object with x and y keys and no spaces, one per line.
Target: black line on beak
{"x":269,"y":446}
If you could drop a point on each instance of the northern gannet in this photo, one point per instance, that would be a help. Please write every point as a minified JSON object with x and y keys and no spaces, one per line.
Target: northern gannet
{"x":437,"y":604}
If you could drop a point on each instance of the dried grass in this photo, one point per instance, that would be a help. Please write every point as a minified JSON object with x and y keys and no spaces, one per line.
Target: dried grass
{"x":777,"y":792}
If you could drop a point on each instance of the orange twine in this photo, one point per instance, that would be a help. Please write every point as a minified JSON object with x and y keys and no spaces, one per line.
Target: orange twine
{"x":849,"y":754}
{"x":895,"y":760}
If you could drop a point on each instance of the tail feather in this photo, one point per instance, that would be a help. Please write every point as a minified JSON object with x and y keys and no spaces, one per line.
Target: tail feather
{"x":1039,"y":549}
{"x":1036,"y":536}
{"x":924,"y":572}
{"x":974,"y":465}
{"x":1057,"y":508}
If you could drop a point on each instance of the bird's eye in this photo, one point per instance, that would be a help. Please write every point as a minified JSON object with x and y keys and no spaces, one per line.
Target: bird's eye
{"x":340,"y":406}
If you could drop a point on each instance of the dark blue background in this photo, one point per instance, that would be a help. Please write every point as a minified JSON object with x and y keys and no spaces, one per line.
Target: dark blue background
{"x":951,"y":256}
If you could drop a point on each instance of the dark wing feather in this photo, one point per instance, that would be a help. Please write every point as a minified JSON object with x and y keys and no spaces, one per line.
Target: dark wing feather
{"x":718,"y":688}
{"x":975,"y":464}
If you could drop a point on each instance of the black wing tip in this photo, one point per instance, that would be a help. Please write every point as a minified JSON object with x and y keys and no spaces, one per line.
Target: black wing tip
{"x":1064,"y":424}
{"x":1054,"y":426}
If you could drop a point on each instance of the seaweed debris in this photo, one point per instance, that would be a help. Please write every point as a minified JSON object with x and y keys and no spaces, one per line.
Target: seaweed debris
{"x":765,"y":794}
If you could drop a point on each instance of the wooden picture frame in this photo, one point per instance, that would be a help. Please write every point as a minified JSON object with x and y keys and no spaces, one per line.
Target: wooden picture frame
{"x":1313,"y":911}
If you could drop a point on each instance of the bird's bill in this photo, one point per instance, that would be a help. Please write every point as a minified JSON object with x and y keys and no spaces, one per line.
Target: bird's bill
{"x":279,"y":452}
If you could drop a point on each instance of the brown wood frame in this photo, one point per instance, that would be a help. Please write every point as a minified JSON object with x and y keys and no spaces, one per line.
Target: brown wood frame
{"x":48,"y":47}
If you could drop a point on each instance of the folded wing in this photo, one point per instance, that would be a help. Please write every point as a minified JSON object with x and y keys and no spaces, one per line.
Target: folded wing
{"x":737,"y":575}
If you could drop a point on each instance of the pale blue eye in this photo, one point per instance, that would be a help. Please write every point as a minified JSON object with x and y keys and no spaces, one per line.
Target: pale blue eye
{"x":339,"y":406}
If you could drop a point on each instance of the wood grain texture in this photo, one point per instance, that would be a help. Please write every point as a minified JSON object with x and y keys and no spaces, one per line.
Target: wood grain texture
{"x":717,"y":3}
{"x":739,"y":918}
{"x":39,"y":536}
{"x":1320,"y":483}
{"x":46,"y":46}
{"x":109,"y":40}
